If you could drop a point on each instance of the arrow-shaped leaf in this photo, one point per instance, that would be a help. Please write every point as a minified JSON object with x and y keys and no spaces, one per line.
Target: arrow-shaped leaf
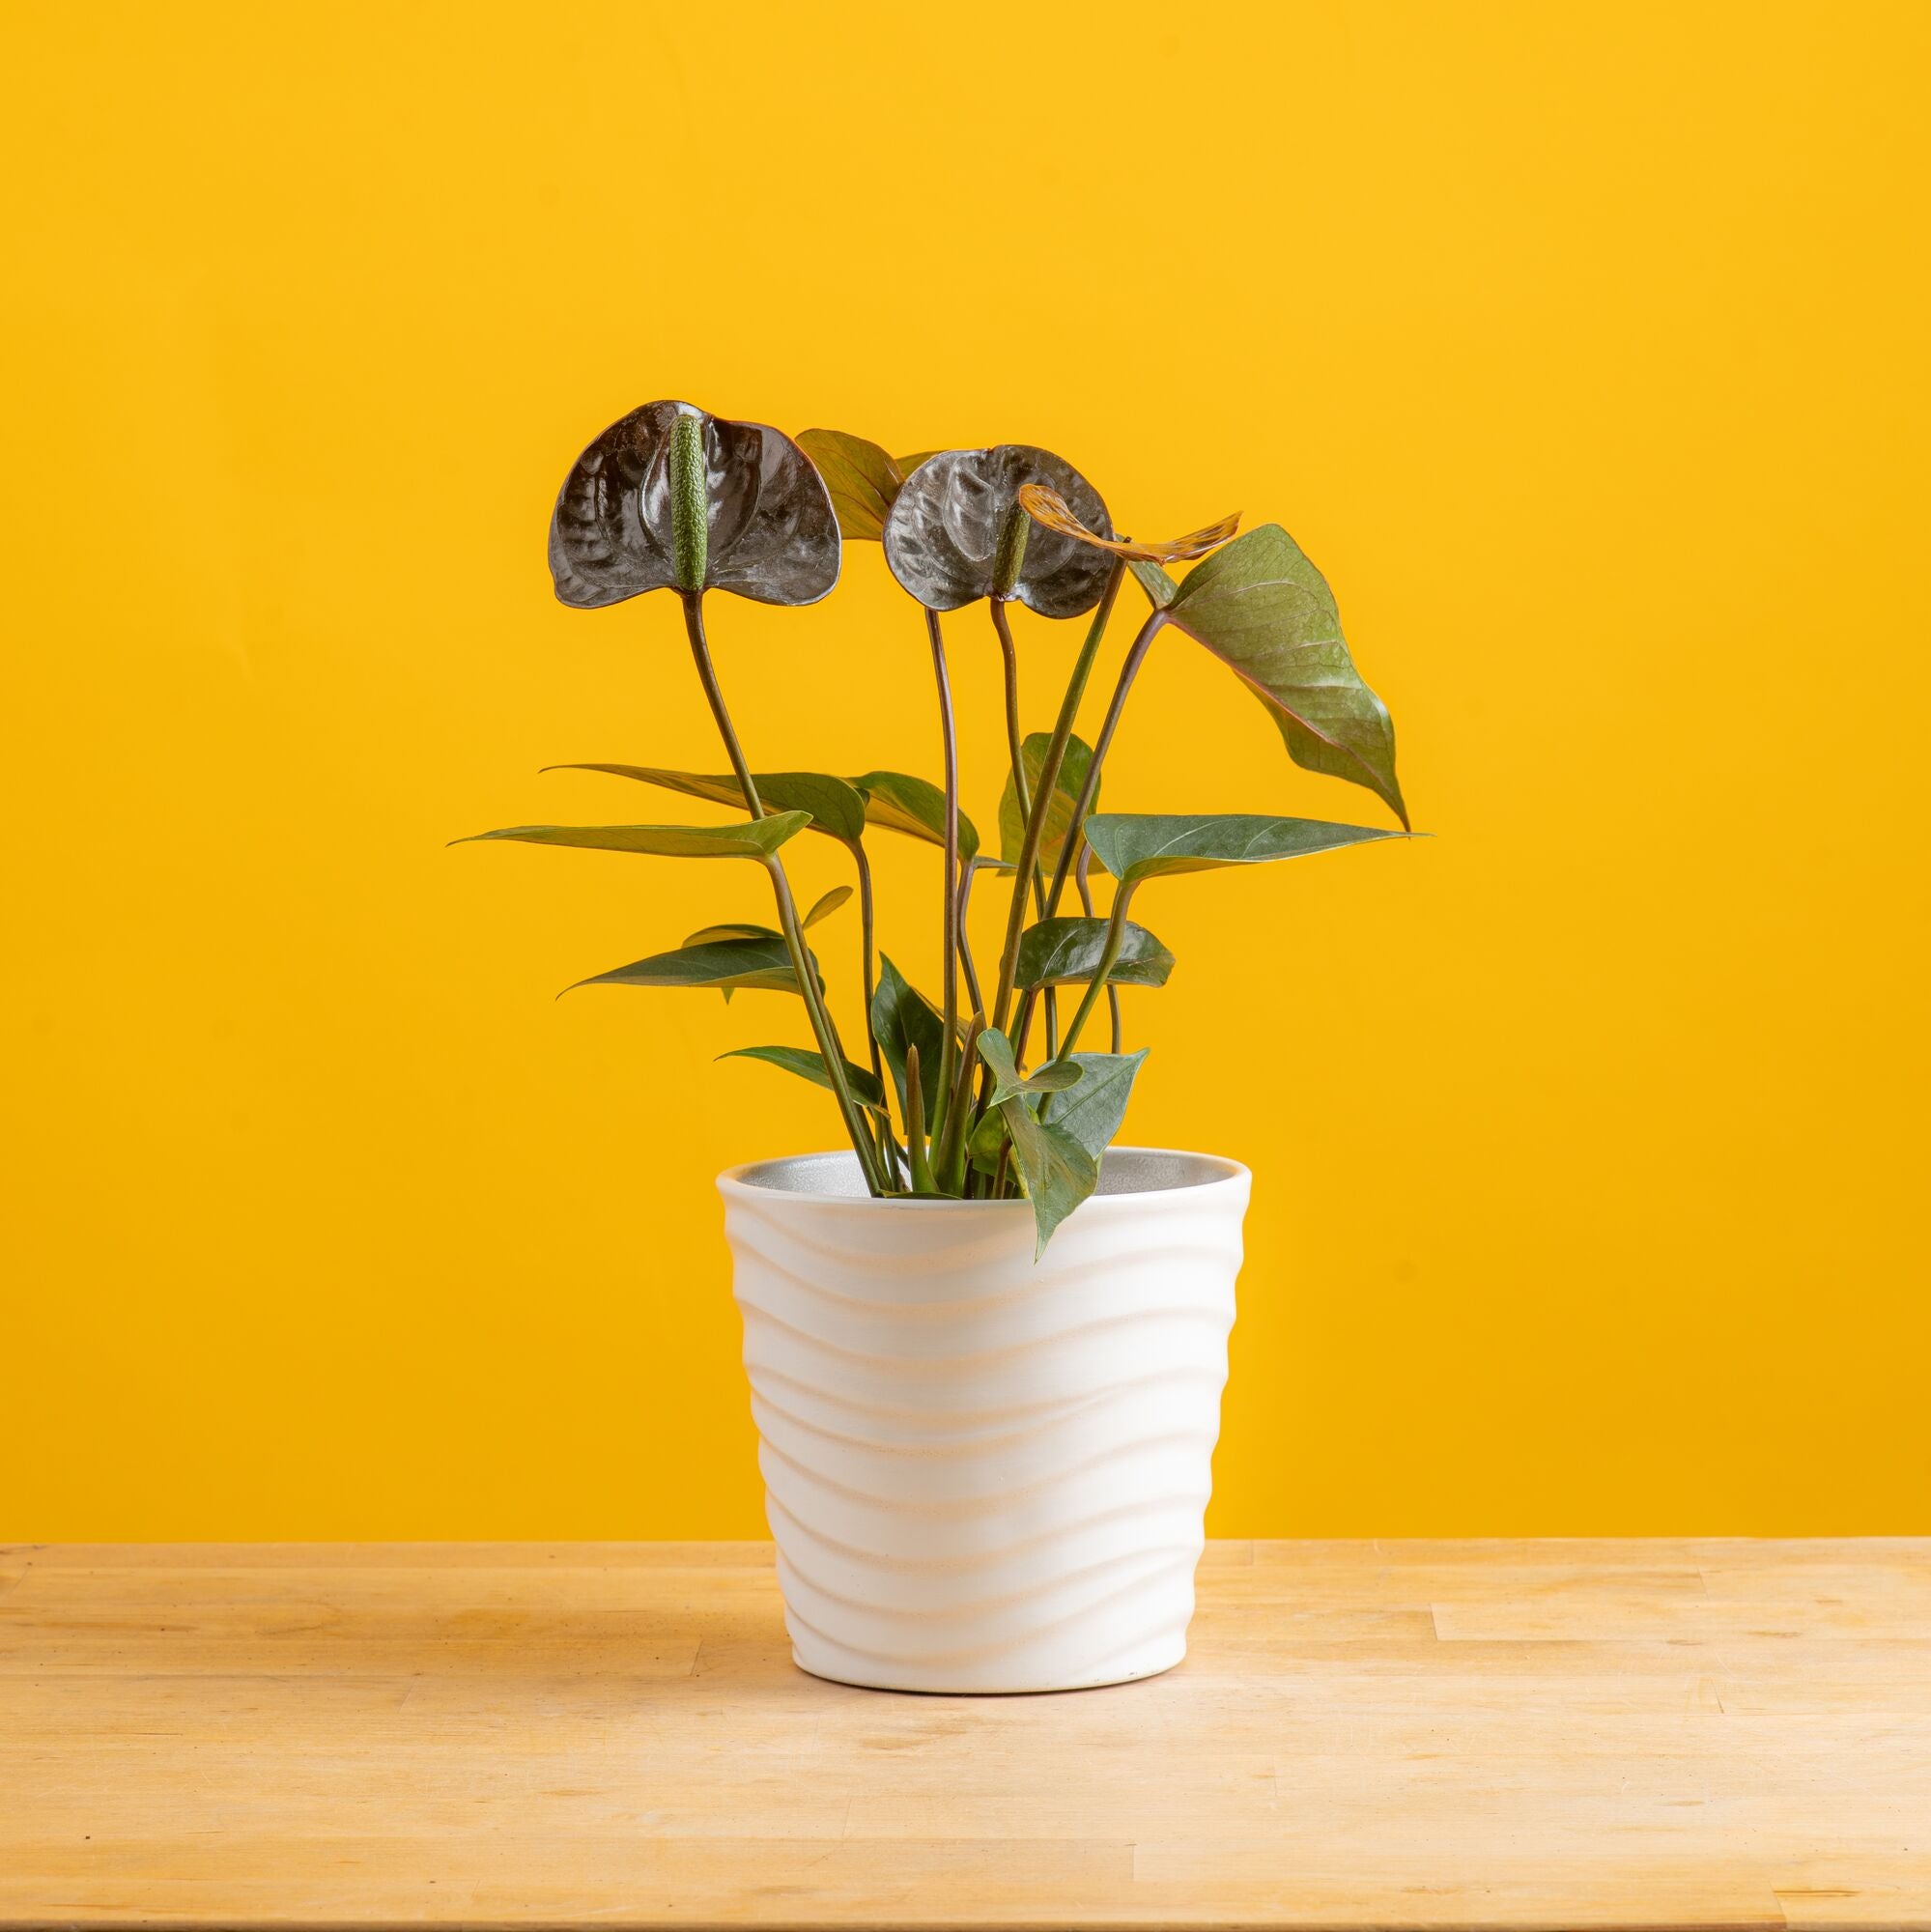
{"x":897,"y":802}
{"x":1064,"y":952}
{"x":1055,"y":1170}
{"x":1144,"y":845}
{"x":835,"y":807}
{"x":1266,"y":613}
{"x":707,"y":936}
{"x":1092,"y":1112}
{"x":744,"y":929}
{"x":1007,"y":1082}
{"x":808,"y":1064}
{"x":730,"y":965}
{"x":755,"y":838}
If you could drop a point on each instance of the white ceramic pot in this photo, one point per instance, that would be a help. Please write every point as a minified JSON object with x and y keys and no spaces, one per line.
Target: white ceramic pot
{"x":984,"y":1473}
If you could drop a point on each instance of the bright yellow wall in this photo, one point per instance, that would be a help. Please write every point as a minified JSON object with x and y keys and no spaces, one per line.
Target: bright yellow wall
{"x":1583,"y":345}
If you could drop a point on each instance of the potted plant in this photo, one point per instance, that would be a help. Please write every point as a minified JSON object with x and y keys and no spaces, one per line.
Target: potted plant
{"x":985,"y":1345}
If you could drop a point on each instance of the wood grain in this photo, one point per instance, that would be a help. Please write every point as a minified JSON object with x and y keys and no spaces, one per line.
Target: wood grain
{"x":1520,"y":1735}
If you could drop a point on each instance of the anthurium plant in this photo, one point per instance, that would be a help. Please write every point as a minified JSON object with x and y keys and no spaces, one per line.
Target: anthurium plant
{"x":994,"y":1087}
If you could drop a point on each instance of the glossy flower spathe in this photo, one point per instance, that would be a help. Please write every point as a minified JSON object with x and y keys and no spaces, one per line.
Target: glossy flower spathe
{"x":957,"y":532}
{"x":671,"y":499}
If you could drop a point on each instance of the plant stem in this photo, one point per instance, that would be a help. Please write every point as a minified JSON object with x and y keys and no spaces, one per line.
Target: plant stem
{"x":867,"y":932}
{"x":1049,"y":779}
{"x":950,"y":1048}
{"x":950,"y":1166}
{"x":823,"y":1030}
{"x":1115,"y":933}
{"x":869,"y":966}
{"x":1015,"y":749}
{"x":1128,"y":671}
{"x":973,"y":992}
{"x":1084,"y":887}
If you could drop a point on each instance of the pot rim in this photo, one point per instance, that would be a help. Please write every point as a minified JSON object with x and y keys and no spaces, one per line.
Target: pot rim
{"x":741,"y":1183}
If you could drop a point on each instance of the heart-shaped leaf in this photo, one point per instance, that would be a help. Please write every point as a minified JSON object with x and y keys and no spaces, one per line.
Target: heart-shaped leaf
{"x":1063,"y":951}
{"x":1054,"y":1169}
{"x":1092,"y":1112}
{"x":835,"y":807}
{"x":730,"y":965}
{"x":904,"y":1017}
{"x":862,"y":479}
{"x":955,"y":533}
{"x":1145,"y":846}
{"x":755,"y":838}
{"x":1007,"y":1082}
{"x":1266,"y":613}
{"x":1060,"y":808}
{"x":1050,"y":509}
{"x":808,"y":1064}
{"x":768,"y":528}
{"x":897,"y":802}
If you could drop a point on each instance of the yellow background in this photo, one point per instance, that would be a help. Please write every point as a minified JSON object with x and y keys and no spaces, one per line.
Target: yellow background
{"x":1583,"y":346}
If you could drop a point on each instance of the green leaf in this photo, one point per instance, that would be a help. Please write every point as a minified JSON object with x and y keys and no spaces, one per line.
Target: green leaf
{"x":1266,"y":613}
{"x":706,"y":934}
{"x":986,"y":1139}
{"x":836,"y":809}
{"x":901,"y":802}
{"x":730,"y":965}
{"x":901,"y":1017}
{"x":1092,"y":1110}
{"x":825,"y":907}
{"x":1073,"y":769}
{"x":996,"y":1050}
{"x":862,"y":477}
{"x":744,"y":929}
{"x":808,"y":1064}
{"x":755,"y":838}
{"x":908,"y":464}
{"x":1154,"y":582}
{"x":1137,"y":845}
{"x":1055,"y":1170}
{"x":1064,"y":952}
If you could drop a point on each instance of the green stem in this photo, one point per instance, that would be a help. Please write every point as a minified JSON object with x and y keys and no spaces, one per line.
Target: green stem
{"x":1115,"y":933}
{"x":1084,"y":887}
{"x":869,"y":966}
{"x":822,"y":1027}
{"x":1015,"y":743}
{"x":1128,"y":671}
{"x":1049,"y":779}
{"x":966,"y":965}
{"x":950,"y":1163}
{"x":949,"y":731}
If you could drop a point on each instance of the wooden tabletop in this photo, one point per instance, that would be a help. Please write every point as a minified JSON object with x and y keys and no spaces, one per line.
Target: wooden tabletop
{"x":1422,"y":1734}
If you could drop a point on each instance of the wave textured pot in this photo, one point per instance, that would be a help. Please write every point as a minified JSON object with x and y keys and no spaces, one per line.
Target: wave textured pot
{"x":984,"y":1473}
